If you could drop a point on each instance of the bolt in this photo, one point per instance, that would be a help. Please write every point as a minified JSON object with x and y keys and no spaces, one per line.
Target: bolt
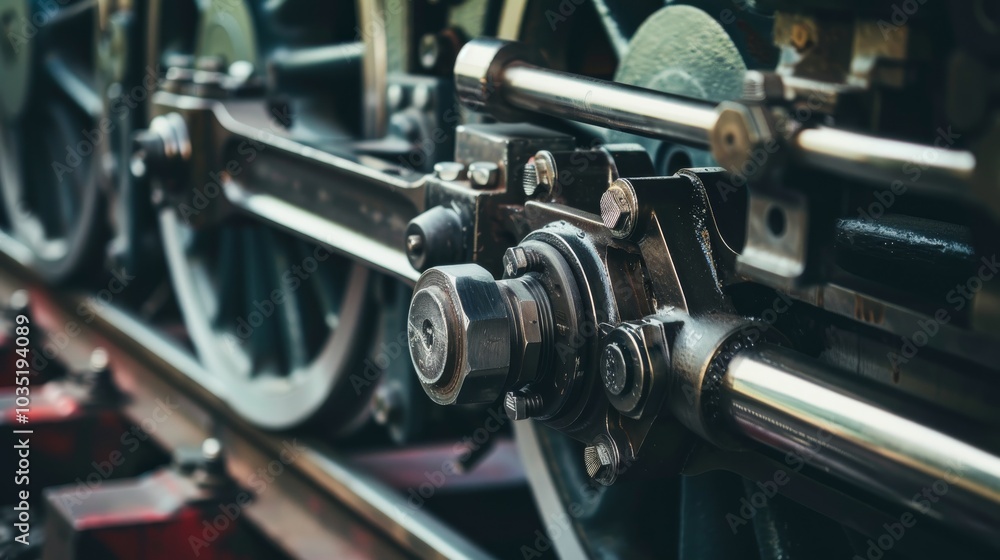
{"x":545,"y":167}
{"x":395,"y":96}
{"x":241,"y":70}
{"x":414,"y":244}
{"x":599,"y":461}
{"x":616,"y":210}
{"x":763,"y":86}
{"x":515,"y":262}
{"x":386,"y":405}
{"x":484,"y":174}
{"x":449,"y":170}
{"x":97,"y":378}
{"x":211,"y":449}
{"x":211,"y":473}
{"x":522,"y":406}
{"x":614,"y":369}
{"x":430,"y":51}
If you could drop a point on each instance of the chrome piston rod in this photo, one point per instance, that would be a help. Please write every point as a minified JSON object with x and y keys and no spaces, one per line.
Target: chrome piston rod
{"x":788,"y":402}
{"x":507,"y":79}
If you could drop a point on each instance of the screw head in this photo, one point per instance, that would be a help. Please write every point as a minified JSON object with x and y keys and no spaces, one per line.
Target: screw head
{"x":484,"y":174}
{"x":522,"y":406}
{"x":618,"y":207}
{"x":515,"y":262}
{"x":449,"y":170}
{"x":414,"y":244}
{"x":600,"y":463}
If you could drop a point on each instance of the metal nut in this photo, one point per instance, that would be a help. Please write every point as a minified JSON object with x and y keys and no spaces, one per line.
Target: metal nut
{"x":449,"y":170}
{"x":459,"y":335}
{"x":484,"y":174}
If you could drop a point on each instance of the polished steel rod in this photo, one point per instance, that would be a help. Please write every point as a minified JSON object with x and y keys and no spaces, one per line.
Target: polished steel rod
{"x":502,"y":78}
{"x":607,"y":104}
{"x":790,"y":403}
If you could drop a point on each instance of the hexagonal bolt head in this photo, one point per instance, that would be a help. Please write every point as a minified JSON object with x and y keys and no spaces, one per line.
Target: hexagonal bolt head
{"x":540,"y":174}
{"x":484,"y":175}
{"x":522,"y":406}
{"x":617,"y":209}
{"x":449,"y":170}
{"x":515,"y":262}
{"x":744,"y":139}
{"x":600,"y":463}
{"x":460,"y":335}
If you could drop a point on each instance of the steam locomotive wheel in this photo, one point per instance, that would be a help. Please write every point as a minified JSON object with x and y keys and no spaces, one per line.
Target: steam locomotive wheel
{"x":281,"y":322}
{"x":51,"y":103}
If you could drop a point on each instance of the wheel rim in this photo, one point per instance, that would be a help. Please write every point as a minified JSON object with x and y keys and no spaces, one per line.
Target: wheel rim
{"x":51,"y":144}
{"x":283,"y":360}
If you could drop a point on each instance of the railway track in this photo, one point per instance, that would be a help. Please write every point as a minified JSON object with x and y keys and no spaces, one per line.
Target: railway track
{"x":322,"y":506}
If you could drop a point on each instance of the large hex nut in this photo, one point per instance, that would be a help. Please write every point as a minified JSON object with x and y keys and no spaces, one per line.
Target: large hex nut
{"x":460,"y":335}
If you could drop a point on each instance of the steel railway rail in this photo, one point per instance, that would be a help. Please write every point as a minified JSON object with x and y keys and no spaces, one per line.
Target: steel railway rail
{"x":323,"y":507}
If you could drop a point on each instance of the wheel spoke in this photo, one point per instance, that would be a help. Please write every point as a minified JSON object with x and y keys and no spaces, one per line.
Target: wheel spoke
{"x":76,"y":87}
{"x":258,"y":289}
{"x":228,"y":285}
{"x":291,"y":313}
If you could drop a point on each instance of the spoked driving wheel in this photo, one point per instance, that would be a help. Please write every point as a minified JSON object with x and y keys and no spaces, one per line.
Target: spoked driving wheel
{"x":280,"y":321}
{"x":53,"y":145}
